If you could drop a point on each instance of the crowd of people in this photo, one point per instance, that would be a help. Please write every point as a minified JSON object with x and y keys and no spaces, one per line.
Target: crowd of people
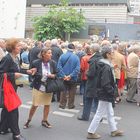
{"x":102,"y":69}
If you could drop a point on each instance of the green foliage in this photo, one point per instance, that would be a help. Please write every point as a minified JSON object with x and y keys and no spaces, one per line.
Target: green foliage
{"x":58,"y":21}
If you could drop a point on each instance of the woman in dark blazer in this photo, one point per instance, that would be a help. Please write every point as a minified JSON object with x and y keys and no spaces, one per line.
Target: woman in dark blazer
{"x":46,"y":68}
{"x":10,"y":65}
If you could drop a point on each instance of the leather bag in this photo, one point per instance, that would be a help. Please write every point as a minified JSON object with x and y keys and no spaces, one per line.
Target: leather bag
{"x":54,"y":85}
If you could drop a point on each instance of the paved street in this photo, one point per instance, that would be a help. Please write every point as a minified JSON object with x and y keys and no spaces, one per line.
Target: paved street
{"x":67,"y":127}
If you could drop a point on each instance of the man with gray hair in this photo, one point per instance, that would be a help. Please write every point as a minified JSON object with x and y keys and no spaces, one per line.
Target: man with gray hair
{"x":118,"y":60}
{"x":56,"y":53}
{"x":90,"y":93}
{"x":2,"y":48}
{"x":105,"y":84}
{"x":132,"y":73}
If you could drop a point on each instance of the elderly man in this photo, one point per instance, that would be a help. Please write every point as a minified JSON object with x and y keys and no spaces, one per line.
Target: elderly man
{"x":132,"y":73}
{"x":68,"y":69}
{"x":47,"y":43}
{"x":56,"y":53}
{"x":90,"y":93}
{"x":105,"y":93}
{"x":118,"y":60}
{"x":2,"y":49}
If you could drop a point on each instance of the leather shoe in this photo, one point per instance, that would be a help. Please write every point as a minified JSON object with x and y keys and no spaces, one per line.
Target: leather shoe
{"x":116,"y":133}
{"x":18,"y":137}
{"x":62,"y":107}
{"x":71,"y":107}
{"x":131,"y":101}
{"x":93,"y":136}
{"x":5,"y":132}
{"x":81,"y":118}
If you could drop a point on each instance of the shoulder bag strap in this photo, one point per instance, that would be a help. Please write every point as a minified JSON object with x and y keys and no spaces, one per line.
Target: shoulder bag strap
{"x":66,"y":61}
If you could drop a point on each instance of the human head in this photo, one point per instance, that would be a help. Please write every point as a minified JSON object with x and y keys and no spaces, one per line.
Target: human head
{"x":54,"y":42}
{"x":114,"y":46}
{"x":105,"y":42}
{"x":79,"y":47}
{"x":71,"y":47}
{"x":95,"y":47}
{"x":121,"y":47}
{"x":13,"y":45}
{"x":47,"y":43}
{"x":136,"y":49}
{"x":45,"y":54}
{"x":106,"y":51}
{"x":24,"y":46}
{"x":64,"y":45}
{"x":88,"y":50}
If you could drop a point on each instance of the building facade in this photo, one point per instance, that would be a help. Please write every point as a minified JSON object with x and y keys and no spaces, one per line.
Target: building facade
{"x":96,"y":12}
{"x":135,"y":7}
{"x":135,"y":11}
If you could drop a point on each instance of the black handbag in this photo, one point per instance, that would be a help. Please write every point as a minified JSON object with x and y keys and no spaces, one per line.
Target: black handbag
{"x":54,"y":85}
{"x":1,"y":91}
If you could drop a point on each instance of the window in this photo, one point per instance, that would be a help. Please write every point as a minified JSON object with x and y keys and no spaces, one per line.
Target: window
{"x":96,"y":30}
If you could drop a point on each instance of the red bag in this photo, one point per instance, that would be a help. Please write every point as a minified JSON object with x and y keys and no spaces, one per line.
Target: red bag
{"x":11,"y":99}
{"x":122,"y":80}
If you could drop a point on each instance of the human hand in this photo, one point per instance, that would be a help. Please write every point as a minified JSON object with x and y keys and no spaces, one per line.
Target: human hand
{"x":17,"y":75}
{"x":32,"y":71}
{"x":64,"y":78}
{"x":51,"y":75}
{"x":67,"y":78}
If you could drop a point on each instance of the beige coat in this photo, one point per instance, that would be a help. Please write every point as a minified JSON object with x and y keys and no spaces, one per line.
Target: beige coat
{"x":132,"y":61}
{"x":118,"y":60}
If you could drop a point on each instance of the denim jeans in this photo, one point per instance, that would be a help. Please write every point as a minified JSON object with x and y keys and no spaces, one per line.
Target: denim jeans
{"x":88,"y":106}
{"x":94,"y":105}
{"x":83,"y":89}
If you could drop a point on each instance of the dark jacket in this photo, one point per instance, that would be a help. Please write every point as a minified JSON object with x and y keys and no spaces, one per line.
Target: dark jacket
{"x":33,"y":54}
{"x":38,"y":76}
{"x":7,"y":65}
{"x":105,"y":83}
{"x":56,"y":53}
{"x":91,"y":75}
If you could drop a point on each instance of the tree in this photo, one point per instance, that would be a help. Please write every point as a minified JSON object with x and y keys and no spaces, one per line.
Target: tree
{"x":60,"y":21}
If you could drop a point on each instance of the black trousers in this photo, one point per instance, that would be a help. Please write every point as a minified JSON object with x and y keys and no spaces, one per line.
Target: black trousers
{"x":10,"y":120}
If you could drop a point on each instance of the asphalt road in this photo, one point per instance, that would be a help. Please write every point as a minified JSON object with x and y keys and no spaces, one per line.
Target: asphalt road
{"x":67,"y":127}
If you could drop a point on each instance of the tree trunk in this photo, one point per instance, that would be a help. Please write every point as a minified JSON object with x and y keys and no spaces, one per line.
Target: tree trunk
{"x":67,"y":36}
